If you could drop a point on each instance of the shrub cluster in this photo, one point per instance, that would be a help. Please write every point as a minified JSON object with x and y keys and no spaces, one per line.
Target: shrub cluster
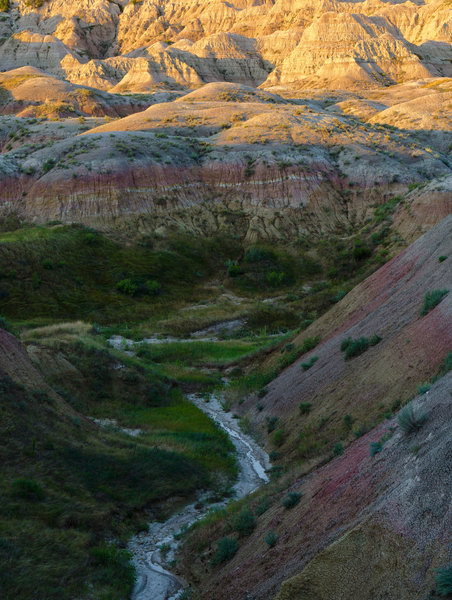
{"x":353,"y":347}
{"x":432,"y":299}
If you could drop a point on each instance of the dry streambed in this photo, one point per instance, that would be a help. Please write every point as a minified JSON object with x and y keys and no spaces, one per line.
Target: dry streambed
{"x":154,"y":550}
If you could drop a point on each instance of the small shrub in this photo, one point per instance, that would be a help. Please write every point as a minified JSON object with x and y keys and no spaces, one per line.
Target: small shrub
{"x":262,"y":507}
{"x":305,"y":407}
{"x":152,"y":288}
{"x":4,"y":5}
{"x":360,"y":431}
{"x":275,"y":279}
{"x":442,"y":258}
{"x":432,"y":299}
{"x":424,"y":388}
{"x":410,"y":419}
{"x":396,"y":405}
{"x":348,"y":421}
{"x":28,"y":489}
{"x":278,"y":438}
{"x":374,"y":340}
{"x":245,"y":522}
{"x":445,"y":367}
{"x":271,"y":538}
{"x":308,"y":364}
{"x":35,"y":281}
{"x":48,"y":263}
{"x":234,"y":270}
{"x":444,"y":581}
{"x":291,"y":500}
{"x":127,"y":286}
{"x":338,"y":449}
{"x":338,"y":297}
{"x":48,"y":165}
{"x":271,"y":423}
{"x":354,"y":347}
{"x":375,"y":448}
{"x":309,"y":344}
{"x":361,"y":250}
{"x":345,"y":344}
{"x":227,"y":547}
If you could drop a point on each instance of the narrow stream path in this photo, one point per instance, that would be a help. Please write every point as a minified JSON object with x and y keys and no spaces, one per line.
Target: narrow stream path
{"x":154,"y":550}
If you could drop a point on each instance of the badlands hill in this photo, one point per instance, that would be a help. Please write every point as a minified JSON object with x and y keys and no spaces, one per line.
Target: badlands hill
{"x":242,"y":108}
{"x":137,"y":46}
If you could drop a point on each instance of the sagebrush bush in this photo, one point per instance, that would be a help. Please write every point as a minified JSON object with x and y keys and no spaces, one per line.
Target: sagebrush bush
{"x":375,"y":448}
{"x":354,"y":347}
{"x":271,"y":423}
{"x":291,"y":500}
{"x":245,"y":522}
{"x":226,"y":549}
{"x":271,"y":538}
{"x":305,"y":407}
{"x":432,"y":299}
{"x":410,"y":419}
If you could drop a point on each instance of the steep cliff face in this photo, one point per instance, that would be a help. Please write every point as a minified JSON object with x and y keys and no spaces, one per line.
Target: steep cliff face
{"x":332,"y":44}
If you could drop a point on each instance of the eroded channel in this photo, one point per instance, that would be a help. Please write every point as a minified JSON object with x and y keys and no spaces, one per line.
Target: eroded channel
{"x":154,"y":550}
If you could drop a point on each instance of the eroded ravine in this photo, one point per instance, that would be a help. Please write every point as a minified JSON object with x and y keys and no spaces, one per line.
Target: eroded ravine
{"x":154,"y":549}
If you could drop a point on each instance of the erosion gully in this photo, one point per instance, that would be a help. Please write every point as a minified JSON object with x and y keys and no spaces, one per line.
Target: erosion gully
{"x":154,"y":550}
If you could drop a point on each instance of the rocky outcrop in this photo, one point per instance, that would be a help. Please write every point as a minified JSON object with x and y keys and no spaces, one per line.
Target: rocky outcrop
{"x":295,"y":42}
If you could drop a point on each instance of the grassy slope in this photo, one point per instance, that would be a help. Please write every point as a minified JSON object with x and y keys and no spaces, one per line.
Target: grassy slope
{"x":67,"y":486}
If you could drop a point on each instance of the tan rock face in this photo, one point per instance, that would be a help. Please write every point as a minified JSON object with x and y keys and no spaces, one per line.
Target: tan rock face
{"x":142,"y":45}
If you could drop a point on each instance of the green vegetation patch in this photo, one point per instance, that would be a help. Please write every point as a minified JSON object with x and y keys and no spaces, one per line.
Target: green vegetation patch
{"x":432,"y":299}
